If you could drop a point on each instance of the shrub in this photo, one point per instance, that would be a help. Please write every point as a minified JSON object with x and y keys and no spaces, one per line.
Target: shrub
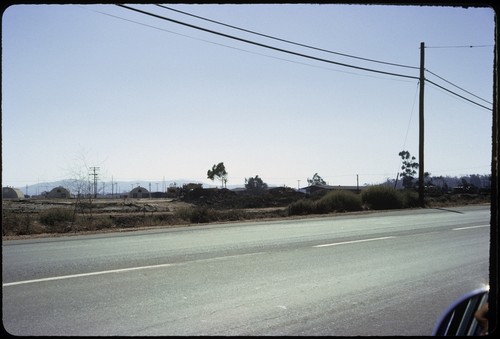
{"x":410,"y":199}
{"x":165,"y":219}
{"x":103,"y":223}
{"x":198,"y":215}
{"x":57,"y":216}
{"x":233,"y":215}
{"x":183,"y":213}
{"x":334,"y":201}
{"x":339,"y":201}
{"x":17,"y":224}
{"x":125,"y":221}
{"x":301,"y":207}
{"x":382,"y":198}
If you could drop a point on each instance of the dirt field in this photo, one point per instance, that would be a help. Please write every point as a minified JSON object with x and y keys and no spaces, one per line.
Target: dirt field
{"x":100,"y":206}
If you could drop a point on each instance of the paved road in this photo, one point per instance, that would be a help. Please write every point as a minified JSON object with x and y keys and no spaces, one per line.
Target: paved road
{"x":387,"y":273}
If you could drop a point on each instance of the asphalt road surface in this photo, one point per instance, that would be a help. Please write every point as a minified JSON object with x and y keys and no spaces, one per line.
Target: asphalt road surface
{"x":384,"y":274}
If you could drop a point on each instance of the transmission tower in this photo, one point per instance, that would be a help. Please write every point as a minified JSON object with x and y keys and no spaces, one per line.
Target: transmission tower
{"x":95,"y":175}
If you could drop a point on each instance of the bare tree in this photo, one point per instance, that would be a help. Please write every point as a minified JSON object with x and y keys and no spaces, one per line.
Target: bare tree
{"x":81,"y":185}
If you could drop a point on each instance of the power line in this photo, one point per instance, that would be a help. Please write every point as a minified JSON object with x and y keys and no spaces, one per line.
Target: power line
{"x":469,"y":46}
{"x":332,"y":52}
{"x":458,"y":95}
{"x":458,"y":87}
{"x":264,"y":45}
{"x":411,"y":114}
{"x":227,"y":46}
{"x":287,"y":41}
{"x":302,"y":55}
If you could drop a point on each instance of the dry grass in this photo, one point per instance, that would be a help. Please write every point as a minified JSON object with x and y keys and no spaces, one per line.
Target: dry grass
{"x":52,"y":217}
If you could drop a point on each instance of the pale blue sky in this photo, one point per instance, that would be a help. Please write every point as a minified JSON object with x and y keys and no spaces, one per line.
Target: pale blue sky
{"x":147,"y":99}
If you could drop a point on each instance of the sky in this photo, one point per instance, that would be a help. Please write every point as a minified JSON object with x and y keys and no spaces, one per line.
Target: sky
{"x":143,"y":98}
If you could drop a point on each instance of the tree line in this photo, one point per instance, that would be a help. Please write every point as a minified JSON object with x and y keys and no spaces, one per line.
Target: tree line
{"x":474,"y":183}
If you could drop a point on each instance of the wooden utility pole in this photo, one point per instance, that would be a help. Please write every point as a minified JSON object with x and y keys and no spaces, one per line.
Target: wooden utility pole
{"x":421,"y":129}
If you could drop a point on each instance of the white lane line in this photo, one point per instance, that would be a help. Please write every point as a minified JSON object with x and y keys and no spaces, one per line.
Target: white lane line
{"x":469,"y":227}
{"x":353,"y":242}
{"x":123,"y":270}
{"x":84,"y":274}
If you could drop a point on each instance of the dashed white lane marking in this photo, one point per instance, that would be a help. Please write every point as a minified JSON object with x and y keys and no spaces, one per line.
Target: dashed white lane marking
{"x":122,"y":270}
{"x":85,"y":274}
{"x":353,"y":241}
{"x":166,"y":265}
{"x":469,"y":227}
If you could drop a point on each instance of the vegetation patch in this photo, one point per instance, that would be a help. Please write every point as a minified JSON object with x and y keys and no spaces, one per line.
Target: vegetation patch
{"x":202,"y":206}
{"x":205,"y":214}
{"x":340,"y":201}
{"x":302,"y":207}
{"x":382,"y":198}
{"x":334,"y":201}
{"x":57,"y":216}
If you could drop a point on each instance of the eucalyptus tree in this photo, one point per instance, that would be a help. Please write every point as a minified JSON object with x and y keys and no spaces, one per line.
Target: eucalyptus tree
{"x":218,"y":171}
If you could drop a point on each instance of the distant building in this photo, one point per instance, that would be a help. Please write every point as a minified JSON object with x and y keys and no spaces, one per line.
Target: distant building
{"x":139,"y":192}
{"x":59,"y":193}
{"x":12,"y":193}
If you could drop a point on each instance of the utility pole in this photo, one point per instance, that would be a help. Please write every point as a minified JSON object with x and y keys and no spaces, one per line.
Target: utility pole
{"x":94,"y":174}
{"x":421,"y":129}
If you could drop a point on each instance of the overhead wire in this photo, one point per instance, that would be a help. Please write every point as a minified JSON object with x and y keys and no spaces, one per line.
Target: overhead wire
{"x":304,"y":55}
{"x":458,"y":95}
{"x":232,"y":47}
{"x":407,"y":130}
{"x":194,"y":38}
{"x":328,"y":51}
{"x":411,"y":115}
{"x":264,"y":45}
{"x":458,"y":87}
{"x":469,"y":46}
{"x":284,"y":40}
